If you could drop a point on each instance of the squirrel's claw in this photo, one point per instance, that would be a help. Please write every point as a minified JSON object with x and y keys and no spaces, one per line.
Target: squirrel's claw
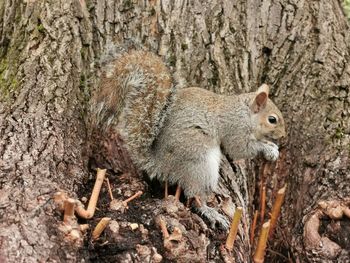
{"x":214,"y":217}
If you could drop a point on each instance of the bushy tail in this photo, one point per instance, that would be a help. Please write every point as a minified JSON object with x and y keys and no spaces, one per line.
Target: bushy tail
{"x":135,"y":92}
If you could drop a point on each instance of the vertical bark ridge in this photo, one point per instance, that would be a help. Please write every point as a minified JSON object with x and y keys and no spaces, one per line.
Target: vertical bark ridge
{"x":42,"y":130}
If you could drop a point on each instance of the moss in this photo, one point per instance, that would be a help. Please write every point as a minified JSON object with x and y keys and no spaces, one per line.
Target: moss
{"x":127,"y":5}
{"x":82,"y":81}
{"x":41,"y":28}
{"x":9,"y":67}
{"x":3,"y":65}
{"x":172,"y":60}
{"x":339,"y":133}
{"x":10,"y":77}
{"x":8,"y":81}
{"x":214,"y":81}
{"x":84,"y":87}
{"x":346,"y":5}
{"x":83,"y":52}
{"x":84,"y":95}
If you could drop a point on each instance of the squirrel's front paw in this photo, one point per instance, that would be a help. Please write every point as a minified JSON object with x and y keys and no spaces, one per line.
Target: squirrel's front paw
{"x":270,"y":151}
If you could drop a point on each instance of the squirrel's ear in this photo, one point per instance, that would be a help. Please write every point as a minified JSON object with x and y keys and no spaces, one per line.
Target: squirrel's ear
{"x":260,"y":99}
{"x":263,"y":88}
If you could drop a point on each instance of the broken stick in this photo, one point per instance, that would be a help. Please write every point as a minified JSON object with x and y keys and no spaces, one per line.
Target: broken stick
{"x":234,"y":227}
{"x":261,"y":247}
{"x":276,"y":209}
{"x":90,"y":211}
{"x":253,"y":227}
{"x":100,"y":227}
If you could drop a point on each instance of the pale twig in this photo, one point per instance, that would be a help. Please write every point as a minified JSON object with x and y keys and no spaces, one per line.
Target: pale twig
{"x":100,"y":227}
{"x":109,"y":189}
{"x":122,"y":205}
{"x":262,"y":204}
{"x":277,"y":208}
{"x":125,"y":202}
{"x":260,"y":249}
{"x":234,"y":228}
{"x":89,"y":212}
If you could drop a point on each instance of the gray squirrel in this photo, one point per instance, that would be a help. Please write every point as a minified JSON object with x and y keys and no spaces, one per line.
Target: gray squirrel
{"x":178,"y":135}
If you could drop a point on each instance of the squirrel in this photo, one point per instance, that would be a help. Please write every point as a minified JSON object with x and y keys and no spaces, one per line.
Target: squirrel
{"x":178,"y":135}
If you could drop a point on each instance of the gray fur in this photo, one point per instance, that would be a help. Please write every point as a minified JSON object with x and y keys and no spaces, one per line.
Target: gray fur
{"x":179,"y":139}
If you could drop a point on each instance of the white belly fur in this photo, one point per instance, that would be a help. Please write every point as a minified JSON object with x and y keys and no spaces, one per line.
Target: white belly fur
{"x":213,"y":164}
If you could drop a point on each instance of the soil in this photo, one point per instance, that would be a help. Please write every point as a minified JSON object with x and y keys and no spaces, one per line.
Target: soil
{"x":123,"y":246}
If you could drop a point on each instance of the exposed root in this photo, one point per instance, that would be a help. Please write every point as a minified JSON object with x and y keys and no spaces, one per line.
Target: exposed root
{"x":169,"y":239}
{"x":70,"y":228}
{"x":313,"y":241}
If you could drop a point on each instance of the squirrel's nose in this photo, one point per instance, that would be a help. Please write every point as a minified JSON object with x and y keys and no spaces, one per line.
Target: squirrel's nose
{"x":284,"y":134}
{"x":283,"y":138}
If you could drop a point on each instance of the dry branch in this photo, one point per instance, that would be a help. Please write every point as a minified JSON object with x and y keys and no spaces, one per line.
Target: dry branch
{"x":100,"y":227}
{"x":276,"y":209}
{"x":262,"y":204}
{"x":89,"y":212}
{"x":253,"y":227}
{"x":125,"y":202}
{"x":260,"y":249}
{"x":109,"y":189}
{"x":234,"y":227}
{"x":122,"y":205}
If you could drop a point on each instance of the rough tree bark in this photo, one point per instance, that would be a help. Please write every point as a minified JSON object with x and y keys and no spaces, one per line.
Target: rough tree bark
{"x":47,"y":72}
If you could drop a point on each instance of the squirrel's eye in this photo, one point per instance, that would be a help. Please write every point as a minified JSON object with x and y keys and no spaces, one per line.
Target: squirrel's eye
{"x":272,"y":119}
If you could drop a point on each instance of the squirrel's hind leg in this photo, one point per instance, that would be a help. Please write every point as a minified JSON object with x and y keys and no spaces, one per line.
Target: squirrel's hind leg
{"x":166,"y":193}
{"x":213,"y":216}
{"x":178,"y":193}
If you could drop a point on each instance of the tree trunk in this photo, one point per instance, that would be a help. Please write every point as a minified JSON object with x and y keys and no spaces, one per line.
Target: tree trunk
{"x":48,"y":56}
